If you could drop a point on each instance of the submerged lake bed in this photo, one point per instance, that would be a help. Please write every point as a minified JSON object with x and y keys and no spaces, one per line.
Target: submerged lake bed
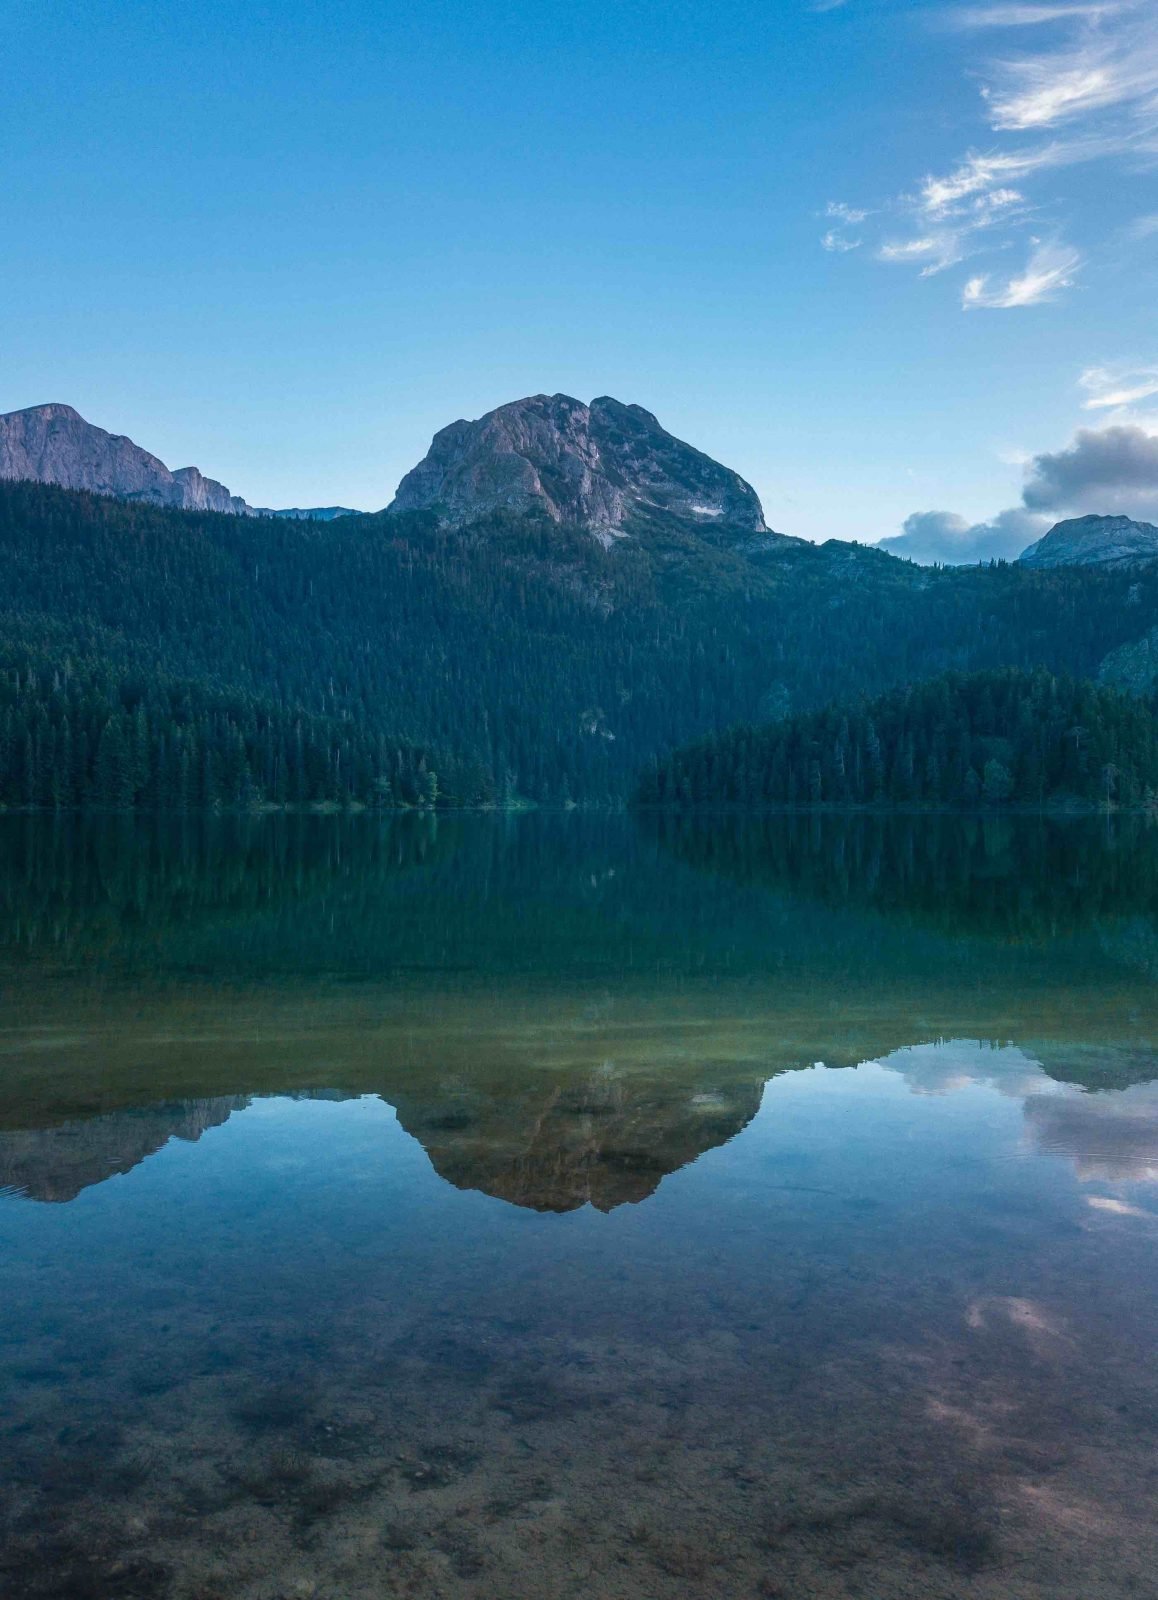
{"x":541,"y":1205}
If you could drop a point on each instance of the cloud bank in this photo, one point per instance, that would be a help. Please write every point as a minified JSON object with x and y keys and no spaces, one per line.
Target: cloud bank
{"x":1110,"y":471}
{"x":946,"y":539}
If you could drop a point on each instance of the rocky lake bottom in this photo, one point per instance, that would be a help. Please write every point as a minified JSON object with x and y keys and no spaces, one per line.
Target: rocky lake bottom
{"x":548,"y":1207}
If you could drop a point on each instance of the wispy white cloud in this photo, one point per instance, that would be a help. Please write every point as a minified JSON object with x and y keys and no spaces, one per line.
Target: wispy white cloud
{"x":1031,"y":16}
{"x":958,"y":217}
{"x":1044,"y":96}
{"x":974,"y":176}
{"x":843,"y":213}
{"x":1093,"y":78}
{"x":933,"y":252}
{"x":977,"y":185}
{"x":1112,"y":63}
{"x":983,"y":178}
{"x":1112,"y":388}
{"x":1050,"y":269}
{"x":845,"y":216}
{"x":998,"y":203}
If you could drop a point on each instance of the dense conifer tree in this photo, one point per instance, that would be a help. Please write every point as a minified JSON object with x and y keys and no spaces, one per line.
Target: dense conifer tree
{"x":990,"y":738}
{"x":223,"y":661}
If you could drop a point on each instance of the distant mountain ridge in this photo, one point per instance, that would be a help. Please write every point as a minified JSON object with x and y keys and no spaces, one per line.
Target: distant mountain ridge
{"x":1093,"y":541}
{"x":604,"y":467}
{"x":55,"y":444}
{"x":607,"y":468}
{"x":312,"y":513}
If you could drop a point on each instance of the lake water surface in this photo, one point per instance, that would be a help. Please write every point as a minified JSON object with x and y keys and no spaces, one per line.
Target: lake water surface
{"x":501,"y":1207}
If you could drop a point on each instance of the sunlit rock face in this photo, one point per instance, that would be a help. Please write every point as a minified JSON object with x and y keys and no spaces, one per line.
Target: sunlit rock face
{"x":605,"y":1141}
{"x":1094,"y":541}
{"x":54,"y":444}
{"x":56,"y":1163}
{"x":597,"y":466}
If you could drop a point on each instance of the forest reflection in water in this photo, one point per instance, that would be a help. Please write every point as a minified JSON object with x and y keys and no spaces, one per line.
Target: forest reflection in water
{"x":501,"y":1206}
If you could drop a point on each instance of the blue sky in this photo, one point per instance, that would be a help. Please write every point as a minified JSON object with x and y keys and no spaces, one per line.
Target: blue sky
{"x":287,"y":242}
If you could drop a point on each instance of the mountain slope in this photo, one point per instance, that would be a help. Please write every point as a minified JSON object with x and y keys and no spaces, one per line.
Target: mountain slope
{"x":1094,"y":541}
{"x":605,"y":467}
{"x":515,"y":646}
{"x":54,"y":444}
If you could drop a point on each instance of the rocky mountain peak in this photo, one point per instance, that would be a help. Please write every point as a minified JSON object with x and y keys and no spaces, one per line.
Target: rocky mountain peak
{"x":54,"y":444}
{"x":1094,"y":541}
{"x":602,"y":466}
{"x":53,"y":411}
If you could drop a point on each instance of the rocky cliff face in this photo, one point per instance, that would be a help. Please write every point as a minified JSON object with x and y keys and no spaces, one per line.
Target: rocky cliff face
{"x":54,"y":444}
{"x":602,"y":466}
{"x":1094,"y":541}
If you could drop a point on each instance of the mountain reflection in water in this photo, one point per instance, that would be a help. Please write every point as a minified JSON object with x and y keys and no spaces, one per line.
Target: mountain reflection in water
{"x":605,"y":1142}
{"x":498,"y":1207}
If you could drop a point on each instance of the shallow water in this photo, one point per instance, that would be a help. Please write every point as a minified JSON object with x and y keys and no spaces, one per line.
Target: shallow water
{"x":553,"y":1206}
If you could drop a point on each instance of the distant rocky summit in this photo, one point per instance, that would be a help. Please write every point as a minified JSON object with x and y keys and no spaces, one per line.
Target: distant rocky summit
{"x":1094,"y":541}
{"x":54,"y":444}
{"x":606,"y":467}
{"x":603,"y":466}
{"x":311,"y":513}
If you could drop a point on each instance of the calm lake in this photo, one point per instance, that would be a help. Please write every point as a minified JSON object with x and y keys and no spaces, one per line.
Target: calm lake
{"x":559,"y":1206}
